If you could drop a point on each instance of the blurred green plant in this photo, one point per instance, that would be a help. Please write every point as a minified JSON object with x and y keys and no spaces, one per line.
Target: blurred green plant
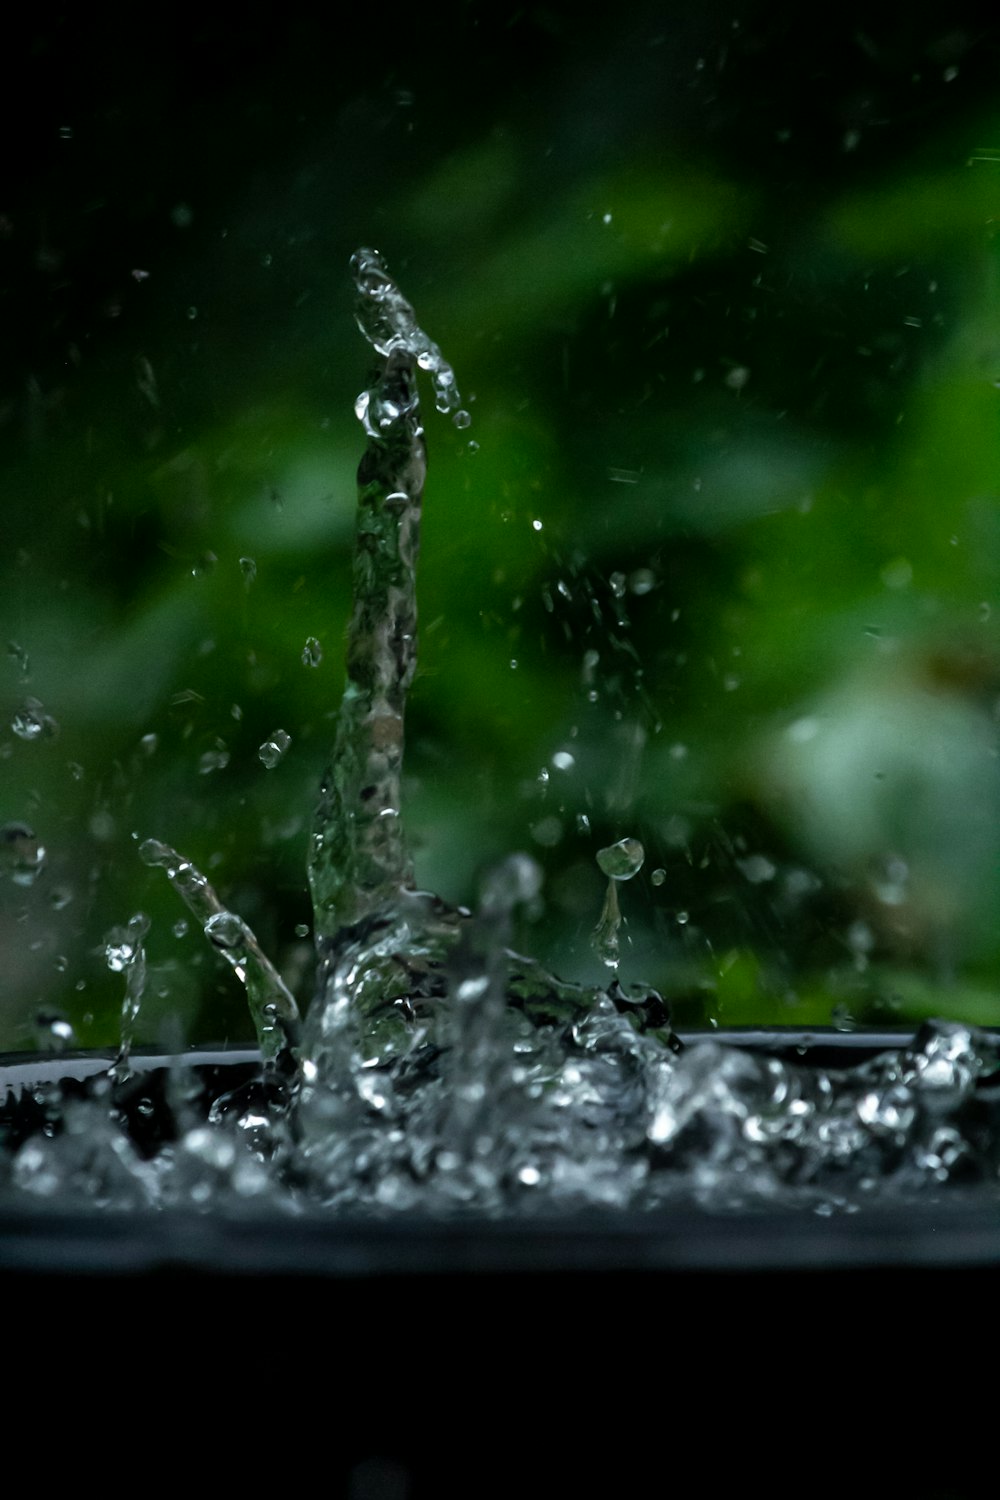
{"x":715,"y":566}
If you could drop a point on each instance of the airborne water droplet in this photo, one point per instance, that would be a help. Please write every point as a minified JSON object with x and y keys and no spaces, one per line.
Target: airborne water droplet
{"x":312,"y":652}
{"x":622,"y":860}
{"x":20,"y":655}
{"x":53,"y":1032}
{"x":31,"y":722}
{"x":389,"y":323}
{"x":22,"y":857}
{"x":274,"y":749}
{"x":214,"y":760}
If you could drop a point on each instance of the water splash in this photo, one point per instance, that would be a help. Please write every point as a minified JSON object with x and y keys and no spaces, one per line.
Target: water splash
{"x":272,"y":1006}
{"x":437,"y":1068}
{"x":390,"y":325}
{"x":619,"y":862}
{"x":125,"y":953}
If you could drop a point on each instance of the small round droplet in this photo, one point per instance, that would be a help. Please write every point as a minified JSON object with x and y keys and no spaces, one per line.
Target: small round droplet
{"x":622,"y":860}
{"x":312,"y":652}
{"x":213,"y":760}
{"x":658,"y":877}
{"x":192,"y":313}
{"x":123,"y":945}
{"x":31,"y":722}
{"x":53,"y":1032}
{"x":22,"y":857}
{"x":274,"y":748}
{"x":462,"y":419}
{"x":225,"y":930}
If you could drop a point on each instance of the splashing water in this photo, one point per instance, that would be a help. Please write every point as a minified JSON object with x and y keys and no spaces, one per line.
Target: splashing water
{"x":437,"y":1069}
{"x":390,"y":325}
{"x":619,"y":862}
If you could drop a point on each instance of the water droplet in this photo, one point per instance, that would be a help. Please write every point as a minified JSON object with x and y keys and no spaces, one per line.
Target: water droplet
{"x":547,"y":832}
{"x":618,"y":585}
{"x":22,"y":857}
{"x":274,"y":749}
{"x":226,"y":930}
{"x":842,"y":1020}
{"x":53,"y":1031}
{"x":563,"y":760}
{"x":213,"y":760}
{"x":302,"y":929}
{"x":17,"y":653}
{"x":757,"y":869}
{"x":658,"y":876}
{"x":312,"y":652}
{"x":604,"y":938}
{"x":536,"y":525}
{"x":31,"y":722}
{"x":462,"y":419}
{"x":388,"y":322}
{"x":149,"y":744}
{"x":123,"y":945}
{"x":180,"y":927}
{"x":192,"y":313}
{"x":622,"y":860}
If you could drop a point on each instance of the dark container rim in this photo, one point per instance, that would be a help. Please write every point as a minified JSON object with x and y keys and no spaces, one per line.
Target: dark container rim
{"x":45,"y":1239}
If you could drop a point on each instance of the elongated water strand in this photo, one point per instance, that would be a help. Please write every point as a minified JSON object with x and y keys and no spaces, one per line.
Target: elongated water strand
{"x":358,"y":862}
{"x":272,"y":1005}
{"x":125,"y":953}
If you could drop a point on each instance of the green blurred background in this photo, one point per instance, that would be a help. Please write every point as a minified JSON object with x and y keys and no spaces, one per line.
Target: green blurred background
{"x":720,"y":287}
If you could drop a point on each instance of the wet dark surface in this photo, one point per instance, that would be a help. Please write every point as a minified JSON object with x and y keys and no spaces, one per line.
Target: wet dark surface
{"x":786,"y":1353}
{"x":958,"y":1231}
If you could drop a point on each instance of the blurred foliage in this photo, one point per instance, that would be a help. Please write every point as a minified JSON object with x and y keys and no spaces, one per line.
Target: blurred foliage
{"x":723,"y":295}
